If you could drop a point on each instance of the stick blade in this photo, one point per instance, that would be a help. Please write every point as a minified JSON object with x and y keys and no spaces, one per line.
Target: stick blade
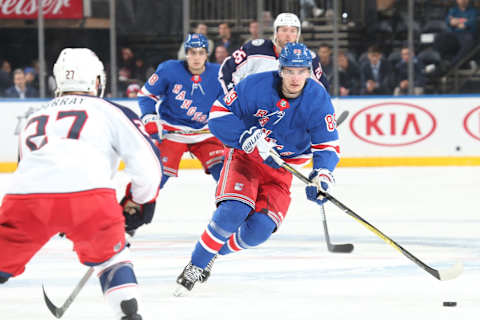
{"x":451,"y":273}
{"x":342,"y":117}
{"x":341,"y":248}
{"x":58,"y":313}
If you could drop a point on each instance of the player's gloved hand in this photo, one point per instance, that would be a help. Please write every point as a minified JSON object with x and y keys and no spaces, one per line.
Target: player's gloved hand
{"x":322,"y":179}
{"x":153,"y":126}
{"x":255,"y":138}
{"x":136,"y":214}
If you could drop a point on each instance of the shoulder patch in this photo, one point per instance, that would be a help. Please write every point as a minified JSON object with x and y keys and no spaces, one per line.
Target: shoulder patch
{"x":258,"y":42}
{"x":230,"y":97}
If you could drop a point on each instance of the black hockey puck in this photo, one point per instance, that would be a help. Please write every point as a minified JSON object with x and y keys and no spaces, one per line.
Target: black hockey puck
{"x":449,"y":304}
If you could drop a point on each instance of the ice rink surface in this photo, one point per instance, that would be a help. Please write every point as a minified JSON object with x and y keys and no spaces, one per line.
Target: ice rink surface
{"x":431,"y":211}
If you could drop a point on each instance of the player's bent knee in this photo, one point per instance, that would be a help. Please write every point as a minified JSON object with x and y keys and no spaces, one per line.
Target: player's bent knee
{"x":230,"y":214}
{"x":116,"y":272}
{"x":118,"y":281}
{"x":258,"y":229}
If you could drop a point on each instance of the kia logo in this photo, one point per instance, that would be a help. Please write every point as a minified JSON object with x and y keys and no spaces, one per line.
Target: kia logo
{"x":471,"y":123}
{"x":393,"y":124}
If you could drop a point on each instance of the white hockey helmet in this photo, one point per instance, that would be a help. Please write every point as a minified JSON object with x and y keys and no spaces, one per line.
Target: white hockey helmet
{"x":77,"y":69}
{"x":286,"y":19}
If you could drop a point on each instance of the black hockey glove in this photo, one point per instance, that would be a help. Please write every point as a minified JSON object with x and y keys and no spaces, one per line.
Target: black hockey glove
{"x":136,"y":214}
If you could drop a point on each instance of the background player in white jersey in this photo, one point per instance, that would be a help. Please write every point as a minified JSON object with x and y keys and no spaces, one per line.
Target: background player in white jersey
{"x":261,"y":55}
{"x":69,"y":151}
{"x":282,"y":112}
{"x":187,"y":90}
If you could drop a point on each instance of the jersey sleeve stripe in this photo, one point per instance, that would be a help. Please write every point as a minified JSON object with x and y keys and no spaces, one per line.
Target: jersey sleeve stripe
{"x":218,"y":111}
{"x":326,"y":147}
{"x":145,"y":93}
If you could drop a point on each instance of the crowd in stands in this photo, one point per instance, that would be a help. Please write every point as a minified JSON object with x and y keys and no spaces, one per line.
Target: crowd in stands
{"x":382,"y":69}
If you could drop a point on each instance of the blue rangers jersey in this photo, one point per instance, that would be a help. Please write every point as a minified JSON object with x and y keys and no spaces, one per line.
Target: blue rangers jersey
{"x":185,"y":99}
{"x":299,"y":127}
{"x":256,"y":56}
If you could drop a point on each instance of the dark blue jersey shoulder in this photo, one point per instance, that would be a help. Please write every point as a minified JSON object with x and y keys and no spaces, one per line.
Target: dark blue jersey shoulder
{"x":259,"y":46}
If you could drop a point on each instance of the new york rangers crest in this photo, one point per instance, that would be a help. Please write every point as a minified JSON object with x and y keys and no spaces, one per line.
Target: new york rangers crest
{"x":283,"y":104}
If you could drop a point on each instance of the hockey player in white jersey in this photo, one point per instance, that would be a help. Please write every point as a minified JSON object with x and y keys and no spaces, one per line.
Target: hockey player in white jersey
{"x":69,"y":151}
{"x":261,"y":55}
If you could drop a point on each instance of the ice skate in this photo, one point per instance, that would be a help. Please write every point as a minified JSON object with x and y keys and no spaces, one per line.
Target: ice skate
{"x":187,"y":279}
{"x":130,"y":308}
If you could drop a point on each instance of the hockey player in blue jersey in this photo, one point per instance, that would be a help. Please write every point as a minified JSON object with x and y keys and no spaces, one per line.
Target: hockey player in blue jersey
{"x":283,"y":112}
{"x":261,"y":55}
{"x":187,"y":90}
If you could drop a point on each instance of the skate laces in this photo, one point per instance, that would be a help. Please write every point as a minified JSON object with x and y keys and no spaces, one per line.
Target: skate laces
{"x":210,"y":264}
{"x":193,"y":273}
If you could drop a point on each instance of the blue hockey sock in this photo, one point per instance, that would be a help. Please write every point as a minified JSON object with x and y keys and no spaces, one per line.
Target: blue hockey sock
{"x":253,"y":232}
{"x":215,"y":170}
{"x":164,"y":180}
{"x":226,"y":219}
{"x":118,"y":275}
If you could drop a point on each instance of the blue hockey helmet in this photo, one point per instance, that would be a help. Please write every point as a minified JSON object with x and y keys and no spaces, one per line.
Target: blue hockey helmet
{"x":296,"y":55}
{"x":196,"y":40}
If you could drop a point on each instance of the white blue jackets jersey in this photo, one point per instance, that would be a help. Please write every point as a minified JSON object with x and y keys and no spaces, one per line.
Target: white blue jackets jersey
{"x":299,"y":126}
{"x":75,"y":143}
{"x":256,"y":56}
{"x":185,"y":99}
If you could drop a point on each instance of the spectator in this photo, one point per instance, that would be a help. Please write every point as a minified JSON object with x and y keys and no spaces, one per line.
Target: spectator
{"x":252,"y":31}
{"x":325,"y":55}
{"x":226,"y":39}
{"x":221,"y":54}
{"x":30,"y":76}
{"x":20,"y":88}
{"x":127,"y":60}
{"x":376,"y":73}
{"x":140,"y":71}
{"x":348,"y":75}
{"x":5,"y":80}
{"x":305,"y":6}
{"x":462,"y":23}
{"x":124,"y":79}
{"x":401,"y":75}
{"x":200,"y":28}
{"x":132,"y":90}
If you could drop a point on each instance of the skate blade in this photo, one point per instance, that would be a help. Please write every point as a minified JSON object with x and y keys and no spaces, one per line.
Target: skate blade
{"x":180,"y":291}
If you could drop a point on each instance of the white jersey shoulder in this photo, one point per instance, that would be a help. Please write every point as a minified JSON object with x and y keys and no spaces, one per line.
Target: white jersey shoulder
{"x":74,"y":143}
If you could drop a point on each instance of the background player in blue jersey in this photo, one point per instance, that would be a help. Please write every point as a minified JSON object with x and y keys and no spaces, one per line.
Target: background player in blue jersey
{"x":185,"y":91}
{"x":283,"y":112}
{"x":261,"y":55}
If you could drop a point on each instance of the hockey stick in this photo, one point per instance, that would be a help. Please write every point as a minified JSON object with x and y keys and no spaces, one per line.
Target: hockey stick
{"x":446,"y":274}
{"x":58,"y":312}
{"x":335,"y":248}
{"x":342,"y":117}
{"x":186,"y":131}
